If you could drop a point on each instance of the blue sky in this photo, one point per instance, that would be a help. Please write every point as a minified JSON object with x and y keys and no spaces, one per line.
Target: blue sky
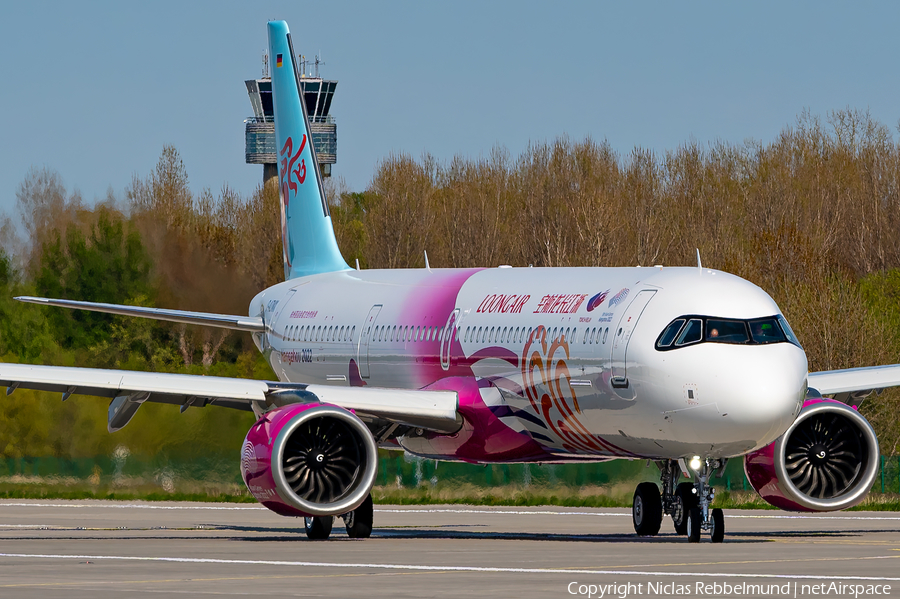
{"x":95,"y":89}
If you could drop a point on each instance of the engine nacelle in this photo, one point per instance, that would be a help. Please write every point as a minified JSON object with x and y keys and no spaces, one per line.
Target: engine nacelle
{"x":309,"y":460}
{"x":827,"y":460}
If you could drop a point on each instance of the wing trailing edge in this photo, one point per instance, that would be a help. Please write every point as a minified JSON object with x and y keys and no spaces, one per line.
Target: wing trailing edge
{"x":431,"y":410}
{"x":855,"y":382}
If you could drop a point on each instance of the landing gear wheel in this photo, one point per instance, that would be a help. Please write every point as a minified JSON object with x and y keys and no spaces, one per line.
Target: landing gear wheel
{"x":318,"y":528}
{"x":694,"y":521}
{"x":685,"y":500}
{"x":718,"y":525}
{"x":646,"y":509}
{"x":359,"y":522}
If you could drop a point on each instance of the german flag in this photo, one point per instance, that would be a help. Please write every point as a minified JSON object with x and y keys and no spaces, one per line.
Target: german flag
{"x":278,"y":60}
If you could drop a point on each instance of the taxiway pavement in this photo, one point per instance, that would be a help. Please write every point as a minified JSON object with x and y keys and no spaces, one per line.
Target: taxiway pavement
{"x":74,"y":549}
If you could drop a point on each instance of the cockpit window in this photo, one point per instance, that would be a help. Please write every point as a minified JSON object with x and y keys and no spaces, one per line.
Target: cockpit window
{"x":788,"y":331}
{"x":688,"y":330}
{"x":692,"y":333}
{"x":766,"y":330}
{"x":668,"y":336}
{"x":726,"y":331}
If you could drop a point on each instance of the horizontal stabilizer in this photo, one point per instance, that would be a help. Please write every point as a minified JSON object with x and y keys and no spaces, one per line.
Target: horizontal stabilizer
{"x":225,"y":321}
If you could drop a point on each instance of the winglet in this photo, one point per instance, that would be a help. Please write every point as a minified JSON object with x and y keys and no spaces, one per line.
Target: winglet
{"x":699,"y":264}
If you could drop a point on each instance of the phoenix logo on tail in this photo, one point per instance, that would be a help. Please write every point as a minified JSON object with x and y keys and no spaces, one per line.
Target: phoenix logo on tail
{"x":288,"y":174}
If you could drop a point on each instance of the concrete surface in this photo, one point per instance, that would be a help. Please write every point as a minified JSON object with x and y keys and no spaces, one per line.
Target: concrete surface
{"x":92,"y":549}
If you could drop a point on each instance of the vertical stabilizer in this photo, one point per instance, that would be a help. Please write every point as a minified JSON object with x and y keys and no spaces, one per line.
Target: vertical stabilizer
{"x":306,"y":230}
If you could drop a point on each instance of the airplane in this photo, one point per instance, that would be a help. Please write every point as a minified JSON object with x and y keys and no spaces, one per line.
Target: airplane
{"x":686,"y":367}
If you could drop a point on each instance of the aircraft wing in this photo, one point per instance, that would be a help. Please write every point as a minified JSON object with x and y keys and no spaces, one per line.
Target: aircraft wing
{"x":855,"y":382}
{"x":225,"y":321}
{"x":432,"y":410}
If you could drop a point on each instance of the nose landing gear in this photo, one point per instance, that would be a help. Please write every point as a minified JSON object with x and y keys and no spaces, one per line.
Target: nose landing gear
{"x":682,"y":503}
{"x":687,"y":503}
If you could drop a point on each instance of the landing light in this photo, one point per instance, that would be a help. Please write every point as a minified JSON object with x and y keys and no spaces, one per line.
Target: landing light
{"x":695,"y":463}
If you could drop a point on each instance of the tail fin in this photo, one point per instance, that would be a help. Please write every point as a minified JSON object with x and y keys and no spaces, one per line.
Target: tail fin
{"x":306,"y":229}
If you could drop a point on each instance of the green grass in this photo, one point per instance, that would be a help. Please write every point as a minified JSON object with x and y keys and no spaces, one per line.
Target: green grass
{"x":618,"y":495}
{"x":47,"y":493}
{"x":512,"y":495}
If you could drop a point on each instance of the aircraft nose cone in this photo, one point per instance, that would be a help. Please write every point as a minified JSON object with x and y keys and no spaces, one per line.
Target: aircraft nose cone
{"x":744,"y":397}
{"x":770,"y":391}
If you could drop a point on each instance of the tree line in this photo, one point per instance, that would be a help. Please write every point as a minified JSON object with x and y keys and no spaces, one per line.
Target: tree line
{"x":812,"y":217}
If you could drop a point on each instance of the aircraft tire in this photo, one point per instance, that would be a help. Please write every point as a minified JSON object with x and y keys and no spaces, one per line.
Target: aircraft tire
{"x":318,"y":528}
{"x":694,"y":520}
{"x":646,"y":510}
{"x":718,"y":526}
{"x":685,"y":501}
{"x":359,"y":522}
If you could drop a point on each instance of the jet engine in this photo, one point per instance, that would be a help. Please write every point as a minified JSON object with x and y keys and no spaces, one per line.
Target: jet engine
{"x":309,"y":460}
{"x":827,"y":460}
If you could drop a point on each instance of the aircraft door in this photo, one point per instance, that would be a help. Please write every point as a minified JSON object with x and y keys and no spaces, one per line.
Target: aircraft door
{"x":446,"y":340}
{"x":622,"y":335}
{"x":365,"y":336}
{"x":277,"y":325}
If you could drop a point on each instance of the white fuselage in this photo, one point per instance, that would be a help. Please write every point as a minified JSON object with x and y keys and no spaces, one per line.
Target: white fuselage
{"x":590,"y":383}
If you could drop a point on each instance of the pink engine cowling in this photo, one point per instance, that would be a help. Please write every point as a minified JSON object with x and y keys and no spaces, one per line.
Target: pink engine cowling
{"x":827,"y":460}
{"x":309,"y":460}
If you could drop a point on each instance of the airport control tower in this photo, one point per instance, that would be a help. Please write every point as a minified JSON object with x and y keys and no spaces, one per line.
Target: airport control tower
{"x":259,"y":131}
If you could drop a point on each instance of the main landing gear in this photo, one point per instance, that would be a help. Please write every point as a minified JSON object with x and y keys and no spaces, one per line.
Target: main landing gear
{"x":358,"y":523}
{"x":687,"y":503}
